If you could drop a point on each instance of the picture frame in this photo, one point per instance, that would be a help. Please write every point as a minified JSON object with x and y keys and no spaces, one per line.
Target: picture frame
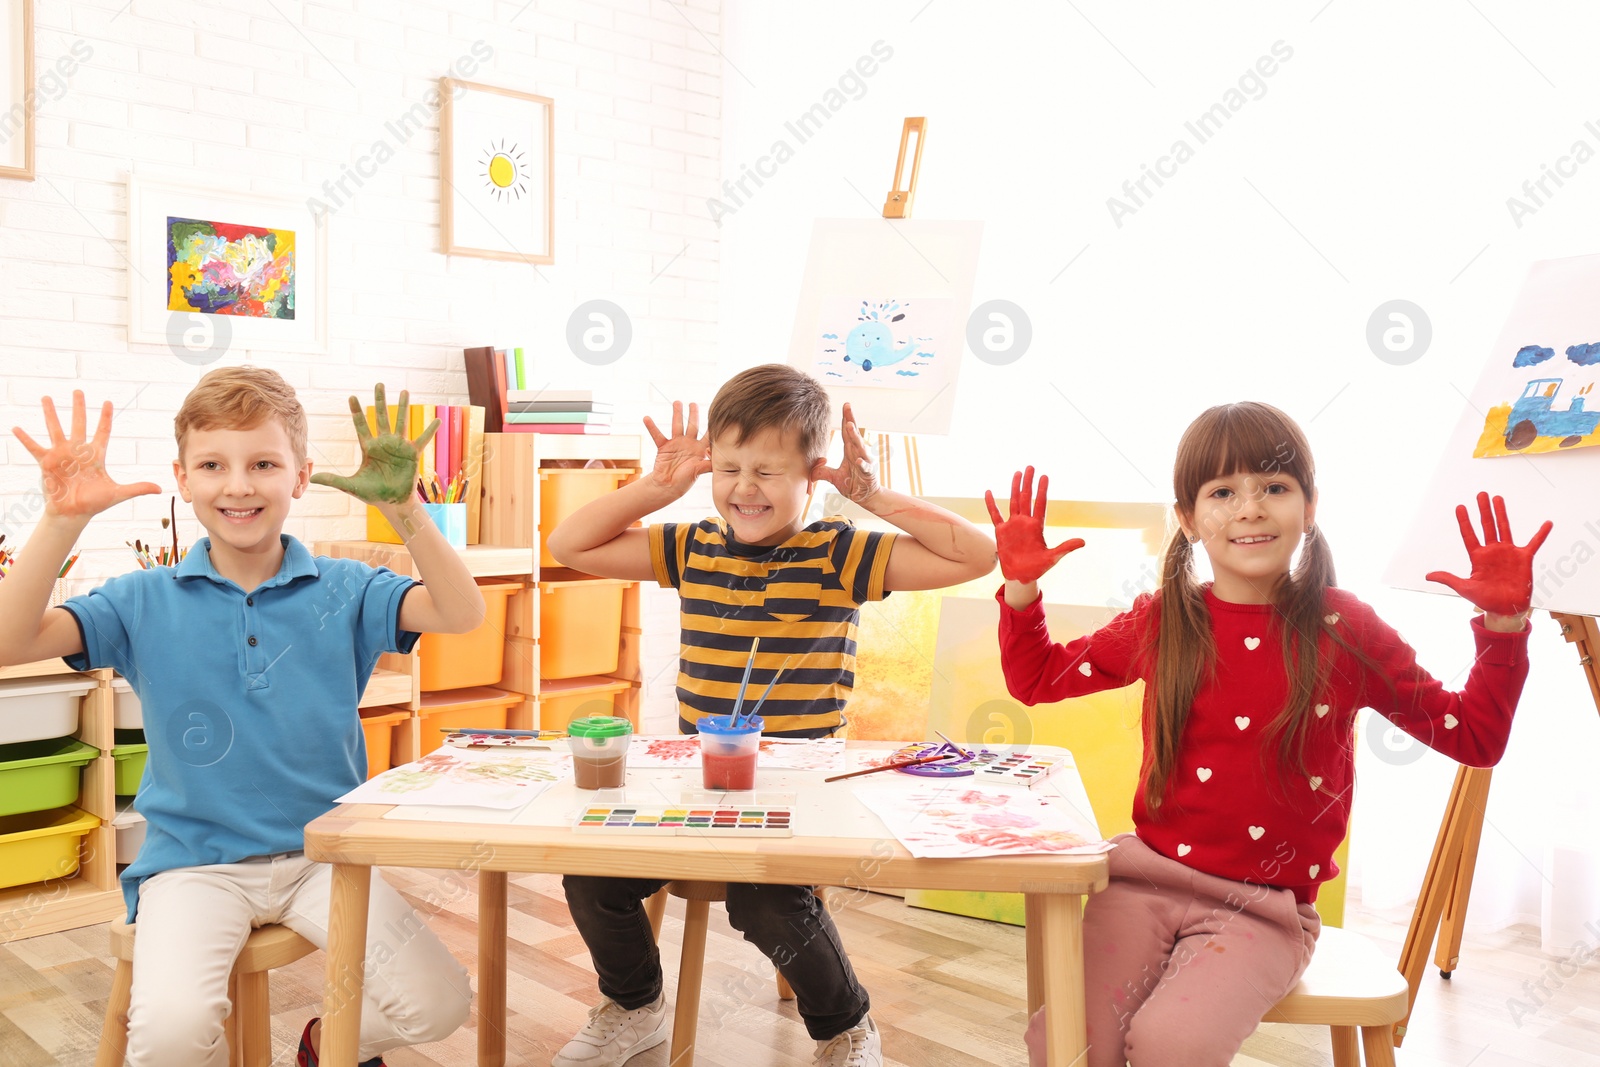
{"x":17,"y":90}
{"x":209,"y":270}
{"x":497,"y":172}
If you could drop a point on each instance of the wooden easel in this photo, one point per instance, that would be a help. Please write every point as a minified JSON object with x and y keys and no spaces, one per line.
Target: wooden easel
{"x":1446,"y":888}
{"x":898,"y":206}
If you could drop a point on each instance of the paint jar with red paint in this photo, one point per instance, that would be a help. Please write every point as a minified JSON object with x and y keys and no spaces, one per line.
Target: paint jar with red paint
{"x":728,"y":751}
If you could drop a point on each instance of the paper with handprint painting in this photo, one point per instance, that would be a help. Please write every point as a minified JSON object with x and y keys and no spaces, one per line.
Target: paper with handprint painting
{"x":502,"y":778}
{"x":954,"y":820}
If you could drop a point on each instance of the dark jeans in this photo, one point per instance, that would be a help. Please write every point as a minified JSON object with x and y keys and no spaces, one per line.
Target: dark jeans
{"x":786,"y":922}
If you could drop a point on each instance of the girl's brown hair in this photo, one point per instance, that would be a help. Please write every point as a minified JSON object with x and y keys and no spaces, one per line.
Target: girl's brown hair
{"x":1224,"y":441}
{"x":240,"y":398}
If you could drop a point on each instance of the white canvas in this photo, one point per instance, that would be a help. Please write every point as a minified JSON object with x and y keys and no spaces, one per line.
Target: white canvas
{"x":893,"y":296}
{"x":1556,"y":309}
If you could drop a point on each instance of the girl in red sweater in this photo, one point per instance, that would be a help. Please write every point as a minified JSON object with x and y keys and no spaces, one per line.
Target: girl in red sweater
{"x":1252,"y":685}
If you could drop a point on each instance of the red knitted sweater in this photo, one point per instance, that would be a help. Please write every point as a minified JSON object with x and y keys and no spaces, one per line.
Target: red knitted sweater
{"x":1230,"y":810}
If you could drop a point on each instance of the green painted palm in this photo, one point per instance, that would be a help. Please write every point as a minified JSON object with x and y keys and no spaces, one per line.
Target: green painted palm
{"x":388,"y":473}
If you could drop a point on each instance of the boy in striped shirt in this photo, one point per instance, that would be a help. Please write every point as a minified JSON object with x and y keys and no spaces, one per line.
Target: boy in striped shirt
{"x":754,"y":572}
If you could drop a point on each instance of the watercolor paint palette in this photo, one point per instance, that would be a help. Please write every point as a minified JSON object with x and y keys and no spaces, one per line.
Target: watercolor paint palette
{"x":1016,"y":767}
{"x":667,"y":820}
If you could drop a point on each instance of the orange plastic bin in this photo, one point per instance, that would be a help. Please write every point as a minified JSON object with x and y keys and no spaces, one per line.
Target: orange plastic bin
{"x":487,"y":708}
{"x":378,"y":724}
{"x":580,"y":628}
{"x":459,"y":661}
{"x":563,"y":490}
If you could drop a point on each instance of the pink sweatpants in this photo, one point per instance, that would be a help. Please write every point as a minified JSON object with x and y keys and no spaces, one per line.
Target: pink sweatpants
{"x":1179,"y":966}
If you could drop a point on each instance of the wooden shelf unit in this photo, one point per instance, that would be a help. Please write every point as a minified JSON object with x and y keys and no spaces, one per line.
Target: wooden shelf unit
{"x":510,"y":552}
{"x":92,"y":894}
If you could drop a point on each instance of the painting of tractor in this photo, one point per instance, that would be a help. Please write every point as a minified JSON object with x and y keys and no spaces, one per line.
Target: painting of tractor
{"x":1534,"y":416}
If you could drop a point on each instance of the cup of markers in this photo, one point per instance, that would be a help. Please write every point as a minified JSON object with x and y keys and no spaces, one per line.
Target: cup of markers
{"x":447,"y":507}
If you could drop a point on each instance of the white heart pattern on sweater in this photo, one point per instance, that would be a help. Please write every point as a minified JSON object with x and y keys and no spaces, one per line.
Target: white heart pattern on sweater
{"x":1084,"y":669}
{"x":1251,"y":643}
{"x":1316,"y":781}
{"x":1241,"y":721}
{"x":1256,"y":832}
{"x":1451,"y":722}
{"x":1331,"y":620}
{"x":1322,"y":710}
{"x":1315,"y":867}
{"x":1203,"y":773}
{"x":1183,"y":850}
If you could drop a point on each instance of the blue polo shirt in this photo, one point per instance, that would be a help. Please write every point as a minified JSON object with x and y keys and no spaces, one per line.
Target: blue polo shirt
{"x":249,"y":697}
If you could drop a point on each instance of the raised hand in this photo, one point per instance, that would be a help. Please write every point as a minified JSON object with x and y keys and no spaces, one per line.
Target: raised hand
{"x":854,"y":477}
{"x":74,"y":469}
{"x":1024,"y":557}
{"x":682,"y":458}
{"x":1501,"y":582}
{"x":388,"y":473}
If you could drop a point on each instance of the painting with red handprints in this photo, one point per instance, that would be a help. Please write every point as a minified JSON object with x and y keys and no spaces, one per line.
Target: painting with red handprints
{"x":672,"y":752}
{"x":955,"y":819}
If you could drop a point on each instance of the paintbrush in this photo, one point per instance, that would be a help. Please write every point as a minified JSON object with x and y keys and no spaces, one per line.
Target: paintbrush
{"x":768,"y":690}
{"x":953,"y":745}
{"x":893,"y":766}
{"x":744,"y":682}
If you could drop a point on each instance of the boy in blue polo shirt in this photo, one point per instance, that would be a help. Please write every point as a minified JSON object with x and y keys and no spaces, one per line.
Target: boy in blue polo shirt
{"x":249,"y":658}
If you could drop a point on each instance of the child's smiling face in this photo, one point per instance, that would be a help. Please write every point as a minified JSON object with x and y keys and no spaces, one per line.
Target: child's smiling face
{"x":760,"y":484}
{"x":240,"y":482}
{"x":1250,"y":525}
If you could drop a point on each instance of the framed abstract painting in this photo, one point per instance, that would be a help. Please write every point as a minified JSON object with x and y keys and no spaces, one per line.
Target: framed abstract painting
{"x":216,"y":269}
{"x":17,"y":98}
{"x":496,"y":168}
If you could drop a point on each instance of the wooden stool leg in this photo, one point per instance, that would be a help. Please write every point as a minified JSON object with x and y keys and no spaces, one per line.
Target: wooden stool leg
{"x":686,"y":1015}
{"x":1378,"y":1043}
{"x":254,"y":1012}
{"x":1346,"y":1053}
{"x":230,"y":1025}
{"x":785,"y":990}
{"x":114,"y":1031}
{"x":656,"y":909}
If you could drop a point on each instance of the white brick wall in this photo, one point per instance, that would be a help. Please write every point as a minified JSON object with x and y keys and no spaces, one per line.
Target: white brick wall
{"x":281,"y":104}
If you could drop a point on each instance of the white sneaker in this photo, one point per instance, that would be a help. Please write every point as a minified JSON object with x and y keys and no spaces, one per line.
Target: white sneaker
{"x":859,"y":1046}
{"x":614,"y":1034}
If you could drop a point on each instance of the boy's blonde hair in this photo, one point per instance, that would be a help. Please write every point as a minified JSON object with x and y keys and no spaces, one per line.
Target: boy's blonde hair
{"x":241,"y":398}
{"x":776,"y":396}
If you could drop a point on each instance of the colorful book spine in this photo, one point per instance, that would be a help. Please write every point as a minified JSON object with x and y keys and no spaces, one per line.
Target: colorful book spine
{"x":522,"y":381}
{"x":598,"y":418}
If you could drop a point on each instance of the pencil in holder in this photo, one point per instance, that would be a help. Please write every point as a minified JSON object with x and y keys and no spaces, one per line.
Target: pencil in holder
{"x":451,"y":519}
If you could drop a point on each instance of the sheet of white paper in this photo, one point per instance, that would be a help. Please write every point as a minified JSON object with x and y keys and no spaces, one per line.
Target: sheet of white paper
{"x":492,"y":778}
{"x":955,"y":818}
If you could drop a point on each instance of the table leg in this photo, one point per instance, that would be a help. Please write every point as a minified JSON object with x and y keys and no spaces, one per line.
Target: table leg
{"x":491,"y":968}
{"x":347,"y":942}
{"x":1060,"y":942}
{"x":1033,"y":932}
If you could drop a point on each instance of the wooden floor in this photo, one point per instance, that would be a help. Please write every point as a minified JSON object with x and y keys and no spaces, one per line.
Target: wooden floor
{"x":946,"y":991}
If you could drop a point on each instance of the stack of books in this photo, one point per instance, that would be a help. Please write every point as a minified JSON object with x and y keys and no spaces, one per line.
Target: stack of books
{"x":556,"y":411}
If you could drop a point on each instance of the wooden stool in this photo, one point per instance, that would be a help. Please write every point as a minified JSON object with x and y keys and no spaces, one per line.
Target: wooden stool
{"x":1348,"y":985}
{"x":249,"y":1025}
{"x":697,"y":899}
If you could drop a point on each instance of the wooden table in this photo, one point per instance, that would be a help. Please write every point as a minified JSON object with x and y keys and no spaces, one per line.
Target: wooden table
{"x":861,"y":854}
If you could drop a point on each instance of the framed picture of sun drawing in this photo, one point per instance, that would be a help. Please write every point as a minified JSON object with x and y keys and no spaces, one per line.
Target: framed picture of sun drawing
{"x":496,"y":164}
{"x":212,"y":269}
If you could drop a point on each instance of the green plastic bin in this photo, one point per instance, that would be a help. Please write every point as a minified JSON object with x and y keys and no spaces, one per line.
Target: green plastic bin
{"x":36,"y":775}
{"x":130,"y":759}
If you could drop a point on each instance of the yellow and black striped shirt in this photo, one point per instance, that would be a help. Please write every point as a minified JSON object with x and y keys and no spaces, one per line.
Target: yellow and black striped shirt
{"x":801,"y":598}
